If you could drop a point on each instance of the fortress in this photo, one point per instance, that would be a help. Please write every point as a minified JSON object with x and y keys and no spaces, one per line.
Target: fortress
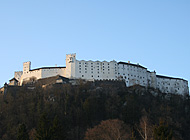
{"x":133,"y":74}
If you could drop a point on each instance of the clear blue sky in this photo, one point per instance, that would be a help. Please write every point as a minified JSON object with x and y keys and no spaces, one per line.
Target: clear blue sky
{"x":154,"y":33}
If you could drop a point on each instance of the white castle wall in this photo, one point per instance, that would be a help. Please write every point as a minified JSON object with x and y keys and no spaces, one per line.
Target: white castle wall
{"x":172,"y":85}
{"x":96,"y":70}
{"x":132,"y":74}
{"x":49,"y":72}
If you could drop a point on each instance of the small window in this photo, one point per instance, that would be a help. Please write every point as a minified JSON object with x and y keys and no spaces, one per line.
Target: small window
{"x":85,"y":71}
{"x":82,"y":75}
{"x":92,"y":76}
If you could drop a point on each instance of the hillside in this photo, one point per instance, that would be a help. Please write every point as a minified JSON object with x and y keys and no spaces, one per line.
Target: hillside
{"x":65,"y":111}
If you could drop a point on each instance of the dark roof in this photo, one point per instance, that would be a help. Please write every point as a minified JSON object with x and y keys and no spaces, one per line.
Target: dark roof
{"x":160,"y":76}
{"x":13,"y":79}
{"x":136,"y":65}
{"x":51,"y":80}
{"x":48,"y":68}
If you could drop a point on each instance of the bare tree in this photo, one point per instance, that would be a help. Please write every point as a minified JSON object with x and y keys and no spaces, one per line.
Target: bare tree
{"x":145,"y":128}
{"x":108,"y":130}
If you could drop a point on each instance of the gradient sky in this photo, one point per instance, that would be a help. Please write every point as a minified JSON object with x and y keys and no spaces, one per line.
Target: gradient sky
{"x":153,"y":33}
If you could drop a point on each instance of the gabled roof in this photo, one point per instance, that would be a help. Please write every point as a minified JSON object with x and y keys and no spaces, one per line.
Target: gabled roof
{"x":136,"y":65}
{"x":51,"y":80}
{"x":13,"y":79}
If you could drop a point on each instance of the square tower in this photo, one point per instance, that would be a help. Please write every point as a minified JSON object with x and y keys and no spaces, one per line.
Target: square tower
{"x":70,"y":65}
{"x":26,"y":67}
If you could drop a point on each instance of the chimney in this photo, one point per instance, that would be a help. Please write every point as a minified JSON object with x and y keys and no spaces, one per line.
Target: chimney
{"x":128,"y":62}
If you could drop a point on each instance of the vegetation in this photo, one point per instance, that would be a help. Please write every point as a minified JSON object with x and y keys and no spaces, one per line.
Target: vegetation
{"x":106,"y":110}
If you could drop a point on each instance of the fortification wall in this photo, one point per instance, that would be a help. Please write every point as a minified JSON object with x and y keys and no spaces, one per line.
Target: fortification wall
{"x":172,"y":85}
{"x":96,"y":70}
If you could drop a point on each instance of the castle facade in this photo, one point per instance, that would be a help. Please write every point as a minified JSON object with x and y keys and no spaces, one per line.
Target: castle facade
{"x":133,"y":74}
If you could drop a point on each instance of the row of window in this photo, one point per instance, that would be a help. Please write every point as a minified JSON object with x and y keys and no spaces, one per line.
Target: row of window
{"x":86,"y":63}
{"x":92,"y":72}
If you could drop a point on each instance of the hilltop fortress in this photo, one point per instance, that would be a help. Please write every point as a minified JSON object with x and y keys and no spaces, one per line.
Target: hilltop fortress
{"x":133,"y":74}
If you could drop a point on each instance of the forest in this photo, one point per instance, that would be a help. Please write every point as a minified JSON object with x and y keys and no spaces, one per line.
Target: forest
{"x":93,"y":111}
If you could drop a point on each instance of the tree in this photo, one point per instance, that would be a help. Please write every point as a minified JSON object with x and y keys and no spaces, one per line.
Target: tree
{"x":43,"y":130}
{"x":162,"y":132}
{"x":22,"y":133}
{"x":108,"y":130}
{"x":145,"y":128}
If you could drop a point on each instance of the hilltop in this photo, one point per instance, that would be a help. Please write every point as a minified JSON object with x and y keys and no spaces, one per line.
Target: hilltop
{"x":72,"y":109}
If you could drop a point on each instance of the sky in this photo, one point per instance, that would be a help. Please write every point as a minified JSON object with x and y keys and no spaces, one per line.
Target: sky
{"x":153,"y":33}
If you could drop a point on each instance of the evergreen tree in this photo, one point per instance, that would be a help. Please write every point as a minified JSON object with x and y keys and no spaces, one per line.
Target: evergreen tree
{"x":22,"y":133}
{"x":162,"y":132}
{"x":43,"y":130}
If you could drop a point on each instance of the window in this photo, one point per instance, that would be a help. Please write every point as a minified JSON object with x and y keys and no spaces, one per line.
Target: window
{"x":79,"y":62}
{"x":82,"y":75}
{"x":91,"y":71}
{"x":98,"y":76}
{"x":79,"y":65}
{"x":79,"y":68}
{"x":85,"y":71}
{"x":79,"y":71}
{"x":85,"y":68}
{"x":92,"y":76}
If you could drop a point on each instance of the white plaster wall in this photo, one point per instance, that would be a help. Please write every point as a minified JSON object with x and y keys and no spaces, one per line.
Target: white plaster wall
{"x":70,"y":66}
{"x":96,"y":70}
{"x":133,"y":74}
{"x":29,"y":74}
{"x":49,"y":72}
{"x":168,"y":85}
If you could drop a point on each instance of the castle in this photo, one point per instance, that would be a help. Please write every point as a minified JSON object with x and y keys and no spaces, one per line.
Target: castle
{"x":133,"y":74}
